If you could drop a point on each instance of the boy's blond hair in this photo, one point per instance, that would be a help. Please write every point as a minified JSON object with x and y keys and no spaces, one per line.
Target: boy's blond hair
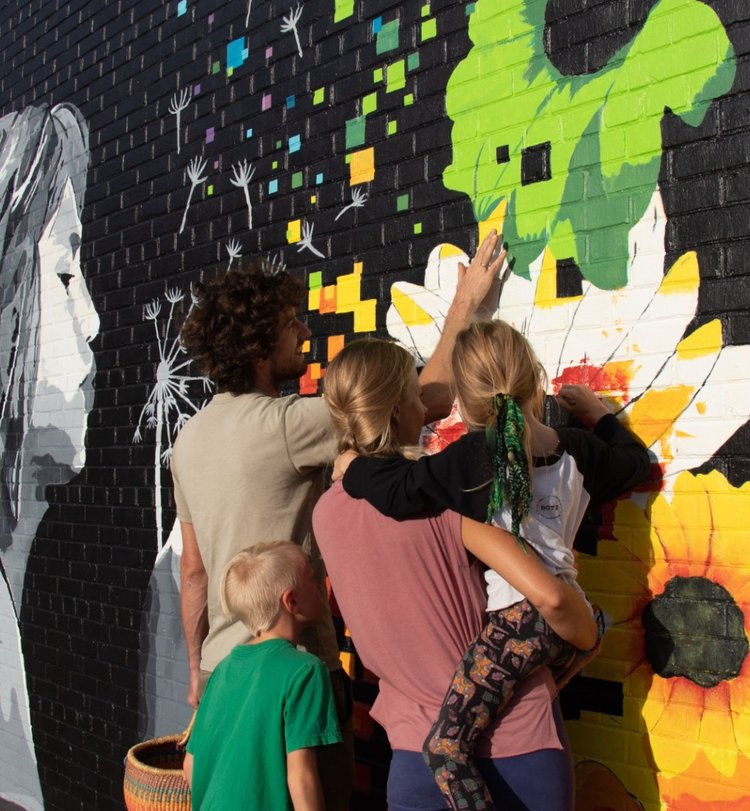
{"x":254,"y":580}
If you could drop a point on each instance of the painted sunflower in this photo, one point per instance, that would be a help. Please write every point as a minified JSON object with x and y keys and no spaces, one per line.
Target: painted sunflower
{"x":678,"y":596}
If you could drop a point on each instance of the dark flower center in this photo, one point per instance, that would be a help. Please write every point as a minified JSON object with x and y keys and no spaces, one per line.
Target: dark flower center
{"x":696,"y":630}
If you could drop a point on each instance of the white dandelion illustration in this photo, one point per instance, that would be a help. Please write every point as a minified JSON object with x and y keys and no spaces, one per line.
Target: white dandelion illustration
{"x":359,"y":198}
{"x":290,"y":24}
{"x":168,"y":406}
{"x":194,"y":172}
{"x":273,"y":265}
{"x":306,"y":241}
{"x":242,"y":174}
{"x":176,"y":106}
{"x":234,"y":249}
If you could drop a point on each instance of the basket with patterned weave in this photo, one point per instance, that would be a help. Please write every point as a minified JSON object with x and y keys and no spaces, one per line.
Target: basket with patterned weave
{"x":153,"y":775}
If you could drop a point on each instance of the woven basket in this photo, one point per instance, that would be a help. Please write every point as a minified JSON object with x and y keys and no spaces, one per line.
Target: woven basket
{"x":153,"y":775}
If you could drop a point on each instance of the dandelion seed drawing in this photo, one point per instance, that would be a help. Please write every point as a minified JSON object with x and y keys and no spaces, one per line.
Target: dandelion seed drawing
{"x":247,"y":17}
{"x":273,"y":265}
{"x":176,"y":106}
{"x":359,"y":198}
{"x":234,"y":249}
{"x":242,"y":174}
{"x":194,"y":171}
{"x":306,"y":241}
{"x":168,"y":406}
{"x":290,"y":24}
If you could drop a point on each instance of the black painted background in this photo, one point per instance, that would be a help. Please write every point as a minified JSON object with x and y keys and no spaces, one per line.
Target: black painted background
{"x":120,"y":63}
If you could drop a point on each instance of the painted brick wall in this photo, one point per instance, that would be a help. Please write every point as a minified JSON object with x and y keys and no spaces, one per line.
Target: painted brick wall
{"x":369,"y":146}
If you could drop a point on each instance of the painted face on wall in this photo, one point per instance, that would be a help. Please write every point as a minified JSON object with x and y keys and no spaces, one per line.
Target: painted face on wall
{"x":68,"y":322}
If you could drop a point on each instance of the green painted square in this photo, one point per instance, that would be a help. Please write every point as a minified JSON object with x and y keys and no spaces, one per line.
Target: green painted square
{"x":319,"y":95}
{"x":315,"y":280}
{"x":426,"y":10}
{"x":392,"y":127}
{"x":417,"y":227}
{"x":278,"y":144}
{"x":296,"y":180}
{"x":429,"y":29}
{"x":402,"y":202}
{"x":412,"y":61}
{"x":408,"y":100}
{"x":230,"y":71}
{"x":209,"y":190}
{"x":275,"y":165}
{"x":377,"y":75}
{"x":387,"y":38}
{"x":355,"y":132}
{"x":369,"y":103}
{"x":395,"y":77}
{"x":216,"y":67}
{"x":342,"y":10}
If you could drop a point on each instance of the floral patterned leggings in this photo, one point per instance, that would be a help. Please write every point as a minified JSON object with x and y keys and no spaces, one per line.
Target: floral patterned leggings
{"x":514,"y":643}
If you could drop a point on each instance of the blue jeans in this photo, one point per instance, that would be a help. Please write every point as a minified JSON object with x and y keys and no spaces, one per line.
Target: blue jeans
{"x":537,"y":781}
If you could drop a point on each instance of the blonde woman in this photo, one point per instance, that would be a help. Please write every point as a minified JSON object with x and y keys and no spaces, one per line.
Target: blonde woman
{"x":411,"y":593}
{"x":526,"y":477}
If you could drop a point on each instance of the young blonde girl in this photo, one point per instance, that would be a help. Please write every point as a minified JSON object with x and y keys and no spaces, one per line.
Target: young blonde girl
{"x":525,"y":477}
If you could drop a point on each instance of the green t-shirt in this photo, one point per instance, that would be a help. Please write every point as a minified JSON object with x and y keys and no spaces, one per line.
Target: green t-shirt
{"x":261,"y":702}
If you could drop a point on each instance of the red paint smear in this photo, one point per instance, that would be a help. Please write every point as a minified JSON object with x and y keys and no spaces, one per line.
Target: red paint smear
{"x":598,"y":378}
{"x":306,"y":384}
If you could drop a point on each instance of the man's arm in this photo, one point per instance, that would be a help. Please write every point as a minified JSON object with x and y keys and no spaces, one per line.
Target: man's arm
{"x":474,"y":284}
{"x":193,"y":606}
{"x":303,"y":780}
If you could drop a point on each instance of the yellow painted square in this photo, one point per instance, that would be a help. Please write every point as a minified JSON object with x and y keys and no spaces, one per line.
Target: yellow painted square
{"x":362,"y":166}
{"x":294,"y":231}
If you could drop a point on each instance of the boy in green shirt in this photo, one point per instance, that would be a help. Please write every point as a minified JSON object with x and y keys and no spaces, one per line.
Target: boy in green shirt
{"x":267,"y":705}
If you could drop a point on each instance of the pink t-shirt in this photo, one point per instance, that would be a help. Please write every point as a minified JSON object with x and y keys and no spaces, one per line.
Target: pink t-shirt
{"x":413,"y":601}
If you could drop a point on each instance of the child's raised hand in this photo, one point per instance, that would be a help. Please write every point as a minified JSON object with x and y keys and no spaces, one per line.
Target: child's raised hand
{"x":582,"y":403}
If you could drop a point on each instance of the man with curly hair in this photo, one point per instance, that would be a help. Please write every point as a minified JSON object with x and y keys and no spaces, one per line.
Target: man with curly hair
{"x":249,"y":467}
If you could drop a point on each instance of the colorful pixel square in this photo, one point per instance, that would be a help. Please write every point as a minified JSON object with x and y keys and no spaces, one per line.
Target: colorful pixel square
{"x":294,"y":143}
{"x":408,"y":99}
{"x":273,"y":186}
{"x":315,"y":280}
{"x":377,"y":24}
{"x":377,"y":75}
{"x":470,"y":9}
{"x":211,"y":18}
{"x":274,"y":165}
{"x":196,"y":89}
{"x":319,"y":95}
{"x":429,"y":29}
{"x":249,"y":132}
{"x":237,"y":53}
{"x":210,"y":134}
{"x":402,"y":202}
{"x":392,"y":127}
{"x":269,"y":52}
{"x":417,"y":227}
{"x":181,"y":7}
{"x":387,"y":38}
{"x":265,"y":102}
{"x":318,"y":178}
{"x":412,"y":61}
{"x":369,"y":103}
{"x":210,"y":189}
{"x":426,"y":10}
{"x":291,"y":102}
{"x":297,"y":180}
{"x":355,"y":132}
{"x":215,"y":67}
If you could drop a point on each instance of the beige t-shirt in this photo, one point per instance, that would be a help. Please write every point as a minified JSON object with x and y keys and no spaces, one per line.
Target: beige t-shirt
{"x":249,"y":468}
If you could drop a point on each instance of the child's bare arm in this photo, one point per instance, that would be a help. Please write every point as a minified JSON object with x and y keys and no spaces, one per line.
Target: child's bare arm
{"x":187,"y":769}
{"x":303,"y":780}
{"x":565,"y":610}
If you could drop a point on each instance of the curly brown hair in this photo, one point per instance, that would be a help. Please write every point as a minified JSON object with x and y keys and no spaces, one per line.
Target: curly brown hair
{"x":235,"y":321}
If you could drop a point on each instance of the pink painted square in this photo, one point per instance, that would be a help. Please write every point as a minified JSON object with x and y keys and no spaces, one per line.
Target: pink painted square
{"x":269,"y":52}
{"x":266,"y":103}
{"x":210,"y":133}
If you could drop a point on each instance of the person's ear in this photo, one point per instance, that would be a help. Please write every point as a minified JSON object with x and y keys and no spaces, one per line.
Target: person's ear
{"x":289,"y":601}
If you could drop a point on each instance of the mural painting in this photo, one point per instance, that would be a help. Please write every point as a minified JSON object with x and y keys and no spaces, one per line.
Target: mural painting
{"x":47,"y":322}
{"x":369,"y":149}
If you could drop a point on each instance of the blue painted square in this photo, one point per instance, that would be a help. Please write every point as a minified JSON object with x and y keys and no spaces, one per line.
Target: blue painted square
{"x":291,"y":101}
{"x":294,"y":143}
{"x":236,"y":53}
{"x":181,"y":7}
{"x":249,"y":132}
{"x":273,"y":186}
{"x":318,"y":178}
{"x":377,"y":24}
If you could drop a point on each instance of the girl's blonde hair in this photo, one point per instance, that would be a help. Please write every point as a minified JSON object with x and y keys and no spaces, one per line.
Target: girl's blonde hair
{"x":498,"y":378}
{"x":490,"y":358}
{"x":254,"y":580}
{"x":363,"y":385}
